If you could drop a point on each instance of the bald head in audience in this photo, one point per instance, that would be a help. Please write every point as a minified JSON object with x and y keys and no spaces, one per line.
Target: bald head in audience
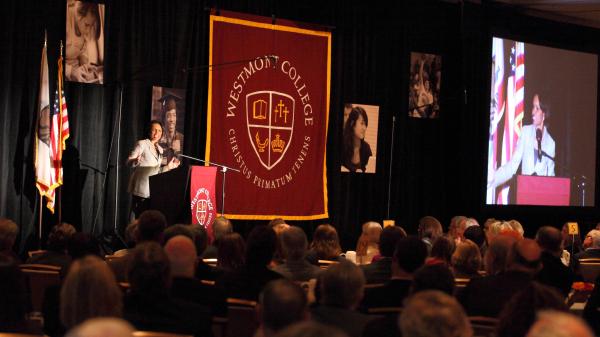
{"x":559,"y":324}
{"x":550,"y":240}
{"x":281,"y":303}
{"x":525,"y":256}
{"x":432,"y":313}
{"x":294,"y":243}
{"x":342,"y":285}
{"x":182,"y":255}
{"x":103,"y":327}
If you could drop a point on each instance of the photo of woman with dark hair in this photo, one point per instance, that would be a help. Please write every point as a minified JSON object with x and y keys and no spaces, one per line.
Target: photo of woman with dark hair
{"x":357,"y":151}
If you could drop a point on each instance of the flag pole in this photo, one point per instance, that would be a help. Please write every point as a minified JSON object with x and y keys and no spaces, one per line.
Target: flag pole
{"x":41,"y":203}
{"x":59,"y":188}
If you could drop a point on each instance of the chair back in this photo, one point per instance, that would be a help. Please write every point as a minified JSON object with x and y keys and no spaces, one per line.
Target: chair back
{"x":10,"y":334}
{"x":39,"y":278}
{"x":157,"y":334}
{"x":210,"y":262}
{"x":241,"y":318}
{"x":109,"y":258}
{"x":590,"y":269}
{"x":35,"y":252}
{"x":324,"y":264}
{"x":483,"y":326}
{"x":384,"y":310}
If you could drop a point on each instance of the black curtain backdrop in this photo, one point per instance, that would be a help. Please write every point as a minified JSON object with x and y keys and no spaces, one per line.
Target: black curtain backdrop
{"x":438,"y":165}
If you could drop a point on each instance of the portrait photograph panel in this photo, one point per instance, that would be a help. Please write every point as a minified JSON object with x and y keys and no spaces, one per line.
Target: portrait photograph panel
{"x":424,"y":85}
{"x":168,"y":107}
{"x":84,"y":54}
{"x":359,"y":141}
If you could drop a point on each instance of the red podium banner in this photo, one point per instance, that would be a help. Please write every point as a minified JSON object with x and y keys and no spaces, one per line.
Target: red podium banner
{"x":268,"y":108}
{"x":544,"y":191}
{"x":202,"y":196}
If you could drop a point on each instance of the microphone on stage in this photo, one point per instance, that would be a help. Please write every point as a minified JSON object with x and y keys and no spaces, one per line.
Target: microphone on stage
{"x":538,"y":136}
{"x":275,"y":60}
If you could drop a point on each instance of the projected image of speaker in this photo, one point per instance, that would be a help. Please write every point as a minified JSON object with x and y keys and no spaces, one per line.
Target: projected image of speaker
{"x":542,"y":130}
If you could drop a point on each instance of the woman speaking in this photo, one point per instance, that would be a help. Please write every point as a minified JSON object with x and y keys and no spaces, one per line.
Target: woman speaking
{"x":146,"y":160}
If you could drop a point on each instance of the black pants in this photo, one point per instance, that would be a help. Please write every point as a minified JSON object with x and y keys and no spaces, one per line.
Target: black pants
{"x":139,"y":205}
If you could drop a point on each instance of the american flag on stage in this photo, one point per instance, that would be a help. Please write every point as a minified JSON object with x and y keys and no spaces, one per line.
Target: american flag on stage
{"x":45,"y":178}
{"x":513,"y":119}
{"x":60,"y":131}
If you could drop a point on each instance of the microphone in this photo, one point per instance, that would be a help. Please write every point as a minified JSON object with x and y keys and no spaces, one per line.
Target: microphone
{"x":275,"y":60}
{"x":538,"y":136}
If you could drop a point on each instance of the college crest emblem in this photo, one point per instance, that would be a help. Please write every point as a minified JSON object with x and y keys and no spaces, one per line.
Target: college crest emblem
{"x":270,"y":123}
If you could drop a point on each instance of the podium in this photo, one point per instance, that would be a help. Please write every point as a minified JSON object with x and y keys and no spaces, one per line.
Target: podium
{"x":545,"y":191}
{"x":169,"y":193}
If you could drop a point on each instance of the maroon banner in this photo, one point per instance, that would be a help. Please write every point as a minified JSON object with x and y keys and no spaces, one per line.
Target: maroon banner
{"x":202,"y":197}
{"x":268,"y":111}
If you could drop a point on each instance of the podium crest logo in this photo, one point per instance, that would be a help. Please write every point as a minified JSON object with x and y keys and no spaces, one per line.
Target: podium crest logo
{"x":204,"y":208}
{"x":270,"y":123}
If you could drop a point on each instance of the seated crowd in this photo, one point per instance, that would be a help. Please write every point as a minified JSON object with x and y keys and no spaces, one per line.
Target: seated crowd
{"x":182,"y":279}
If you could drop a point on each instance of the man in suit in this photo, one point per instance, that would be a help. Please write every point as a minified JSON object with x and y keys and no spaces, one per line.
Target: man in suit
{"x":554,"y":273}
{"x":341,"y":287}
{"x":380,"y":270}
{"x":281,"y":303}
{"x":182,"y":256}
{"x":591,"y":243}
{"x":535,"y":149}
{"x":409,"y":256}
{"x":486,"y":296}
{"x":296,"y":267}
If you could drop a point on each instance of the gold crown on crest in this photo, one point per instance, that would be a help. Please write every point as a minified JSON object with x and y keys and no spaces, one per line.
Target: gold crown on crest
{"x":277,"y":144}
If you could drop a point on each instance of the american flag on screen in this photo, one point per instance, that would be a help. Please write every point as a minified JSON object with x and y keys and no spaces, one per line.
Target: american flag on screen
{"x":497,"y":107}
{"x":513,"y":119}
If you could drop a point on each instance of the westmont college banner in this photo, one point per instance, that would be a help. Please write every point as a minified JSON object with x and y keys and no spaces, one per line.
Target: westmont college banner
{"x":268,"y":107}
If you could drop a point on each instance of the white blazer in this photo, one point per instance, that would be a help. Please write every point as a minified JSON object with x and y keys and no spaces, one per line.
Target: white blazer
{"x":147,"y":164}
{"x":526,"y":155}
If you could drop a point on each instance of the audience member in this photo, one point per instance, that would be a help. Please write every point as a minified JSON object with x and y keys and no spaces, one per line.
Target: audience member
{"x":434,"y":314}
{"x":466,"y":260}
{"x":341,"y":289}
{"x":150,"y":228}
{"x":182,"y":256}
{"x":279,"y":226}
{"x":409,"y":256}
{"x":559,"y":324}
{"x":433,"y":277}
{"x":591,"y":244}
{"x":248,"y":281}
{"x":380,"y":270}
{"x":325,"y":245}
{"x":102,"y":327}
{"x":441,"y":251}
{"x":130,"y":239}
{"x":553,"y":273}
{"x":476,"y":234}
{"x":519,"y":313}
{"x":13,"y":299}
{"x":8,"y":235}
{"x":220,"y":226}
{"x":178,"y":229}
{"x":56,"y":248}
{"x":368,"y":242}
{"x":231,"y":252}
{"x":457,"y":227}
{"x":83,"y":244}
{"x":495,"y":228}
{"x":486,"y":296}
{"x":294,"y":245}
{"x":516,"y":226}
{"x":149,"y":306}
{"x":429,"y":230}
{"x":89,"y":290}
{"x":204,"y":271}
{"x":281,"y":303}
